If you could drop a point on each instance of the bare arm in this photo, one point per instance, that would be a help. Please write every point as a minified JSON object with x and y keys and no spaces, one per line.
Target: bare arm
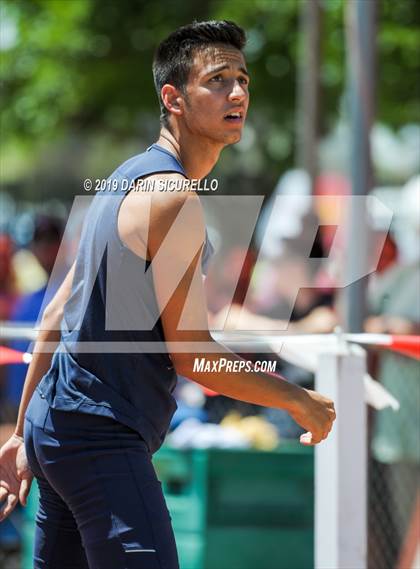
{"x":49,"y":336}
{"x":15,"y":474}
{"x":314,"y":412}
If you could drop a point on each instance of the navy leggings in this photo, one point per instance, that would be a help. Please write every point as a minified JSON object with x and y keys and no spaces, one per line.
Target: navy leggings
{"x":101,"y":505}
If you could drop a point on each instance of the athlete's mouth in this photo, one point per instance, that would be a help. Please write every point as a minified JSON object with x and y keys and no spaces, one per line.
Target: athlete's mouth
{"x":234,"y":116}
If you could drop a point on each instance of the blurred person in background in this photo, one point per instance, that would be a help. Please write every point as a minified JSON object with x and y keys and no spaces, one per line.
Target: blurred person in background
{"x":223,"y":278}
{"x":8,"y":285}
{"x":306,"y":309}
{"x":45,"y":243}
{"x":44,"y":246}
{"x":310,"y":312}
{"x":8,"y":298}
{"x":9,"y":538}
{"x":395,"y":309}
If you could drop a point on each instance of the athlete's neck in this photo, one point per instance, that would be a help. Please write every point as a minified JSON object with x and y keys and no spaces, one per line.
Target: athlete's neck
{"x":197,"y":156}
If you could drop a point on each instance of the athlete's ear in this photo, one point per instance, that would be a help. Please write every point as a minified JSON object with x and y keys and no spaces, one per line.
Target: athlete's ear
{"x":172,"y":99}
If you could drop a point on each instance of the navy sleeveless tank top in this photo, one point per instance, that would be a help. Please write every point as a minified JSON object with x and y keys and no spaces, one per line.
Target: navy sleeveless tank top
{"x":133,"y":387}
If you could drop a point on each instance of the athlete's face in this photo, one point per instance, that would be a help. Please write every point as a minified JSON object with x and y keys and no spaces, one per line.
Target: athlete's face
{"x":217,"y":94}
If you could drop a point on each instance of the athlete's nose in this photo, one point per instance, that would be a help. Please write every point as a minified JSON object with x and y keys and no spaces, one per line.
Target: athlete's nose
{"x":238,"y":92}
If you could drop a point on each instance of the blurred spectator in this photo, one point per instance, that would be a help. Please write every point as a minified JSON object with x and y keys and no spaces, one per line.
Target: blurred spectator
{"x":8,"y":288}
{"x":46,"y":241}
{"x":308,"y":312}
{"x":8,"y":297}
{"x":222,"y":280}
{"x":395,"y":309}
{"x":289,"y":203}
{"x":292,"y":270}
{"x":293,"y":303}
{"x":396,"y":444}
{"x":48,"y":232}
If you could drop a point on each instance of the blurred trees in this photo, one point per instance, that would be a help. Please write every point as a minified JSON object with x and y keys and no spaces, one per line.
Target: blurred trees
{"x":78,"y":94}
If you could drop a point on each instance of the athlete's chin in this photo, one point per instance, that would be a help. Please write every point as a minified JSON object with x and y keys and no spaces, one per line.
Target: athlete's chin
{"x":226,"y":138}
{"x":232,"y":137}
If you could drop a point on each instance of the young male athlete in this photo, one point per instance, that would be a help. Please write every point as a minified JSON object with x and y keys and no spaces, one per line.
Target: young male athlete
{"x":95,"y":415}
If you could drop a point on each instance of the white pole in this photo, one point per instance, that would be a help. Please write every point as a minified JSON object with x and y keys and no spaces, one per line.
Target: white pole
{"x":341,"y":465}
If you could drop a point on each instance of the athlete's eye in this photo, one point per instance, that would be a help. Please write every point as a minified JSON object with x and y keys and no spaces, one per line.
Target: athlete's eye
{"x":217,"y":78}
{"x":244,"y":80}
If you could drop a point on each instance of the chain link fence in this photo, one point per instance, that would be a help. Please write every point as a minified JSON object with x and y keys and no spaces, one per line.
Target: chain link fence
{"x":394,"y":467}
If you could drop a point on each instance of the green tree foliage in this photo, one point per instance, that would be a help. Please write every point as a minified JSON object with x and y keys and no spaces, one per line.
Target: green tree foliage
{"x":80,"y":70}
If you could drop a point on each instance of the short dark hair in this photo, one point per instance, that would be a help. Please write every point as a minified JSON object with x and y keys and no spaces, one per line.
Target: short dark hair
{"x":174,"y":56}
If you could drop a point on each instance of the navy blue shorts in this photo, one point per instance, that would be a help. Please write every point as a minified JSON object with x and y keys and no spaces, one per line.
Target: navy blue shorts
{"x":101,"y":505}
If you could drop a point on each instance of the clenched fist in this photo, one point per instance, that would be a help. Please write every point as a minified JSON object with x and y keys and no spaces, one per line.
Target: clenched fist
{"x":316,"y":414}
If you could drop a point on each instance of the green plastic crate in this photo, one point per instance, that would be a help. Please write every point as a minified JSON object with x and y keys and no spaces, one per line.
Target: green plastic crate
{"x":246,"y":548}
{"x":239,"y":509}
{"x":257,"y":548}
{"x":184,"y":480}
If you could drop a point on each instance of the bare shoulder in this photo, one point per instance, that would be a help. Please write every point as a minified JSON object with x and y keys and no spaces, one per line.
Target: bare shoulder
{"x":175,"y":207}
{"x":150,"y":210}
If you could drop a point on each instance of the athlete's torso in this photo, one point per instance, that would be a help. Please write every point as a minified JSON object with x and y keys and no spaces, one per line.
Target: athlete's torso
{"x":103,"y":365}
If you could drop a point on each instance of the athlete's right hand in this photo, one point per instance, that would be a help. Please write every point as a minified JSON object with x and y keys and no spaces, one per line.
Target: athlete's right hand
{"x":15,"y":476}
{"x":316,"y":414}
